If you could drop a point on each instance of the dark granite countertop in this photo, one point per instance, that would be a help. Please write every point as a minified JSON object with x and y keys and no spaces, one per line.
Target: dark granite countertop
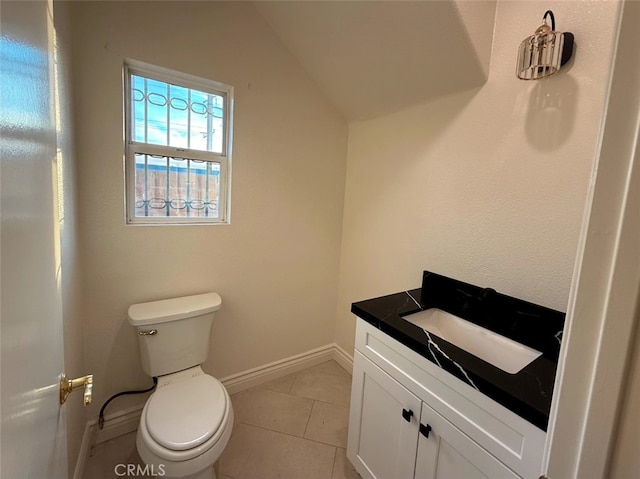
{"x":527,"y":392}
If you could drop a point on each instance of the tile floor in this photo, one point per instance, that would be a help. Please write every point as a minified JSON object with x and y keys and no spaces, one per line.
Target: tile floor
{"x":292,"y":428}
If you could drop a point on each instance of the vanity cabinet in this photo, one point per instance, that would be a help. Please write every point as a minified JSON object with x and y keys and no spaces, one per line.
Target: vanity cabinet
{"x":410,"y":419}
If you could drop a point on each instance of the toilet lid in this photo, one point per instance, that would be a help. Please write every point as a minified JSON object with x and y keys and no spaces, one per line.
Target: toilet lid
{"x":185,"y":414}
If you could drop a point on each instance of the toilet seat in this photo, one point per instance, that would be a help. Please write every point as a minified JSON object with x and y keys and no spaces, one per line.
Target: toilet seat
{"x":217,"y":430}
{"x":183,"y":415}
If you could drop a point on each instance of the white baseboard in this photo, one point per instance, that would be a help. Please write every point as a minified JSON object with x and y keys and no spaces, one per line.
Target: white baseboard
{"x":343,"y":358}
{"x":85,"y":445}
{"x":277,"y":369}
{"x":127,"y":420}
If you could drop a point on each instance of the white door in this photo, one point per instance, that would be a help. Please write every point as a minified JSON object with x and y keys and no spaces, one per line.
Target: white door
{"x":33,"y":432}
{"x":383,"y":427}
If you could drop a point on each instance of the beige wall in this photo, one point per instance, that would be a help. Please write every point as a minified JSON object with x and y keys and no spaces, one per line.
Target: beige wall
{"x":276,"y":265}
{"x":487,"y":186}
{"x":70,"y":273}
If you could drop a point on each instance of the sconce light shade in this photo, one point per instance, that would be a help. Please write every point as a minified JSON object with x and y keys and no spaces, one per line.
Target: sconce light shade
{"x":543,"y":53}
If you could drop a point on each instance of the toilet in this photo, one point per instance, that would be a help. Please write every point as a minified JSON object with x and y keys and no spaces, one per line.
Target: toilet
{"x":187,"y":421}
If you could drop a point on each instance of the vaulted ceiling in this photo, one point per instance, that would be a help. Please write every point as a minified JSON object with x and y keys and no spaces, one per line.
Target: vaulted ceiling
{"x":374,"y":57}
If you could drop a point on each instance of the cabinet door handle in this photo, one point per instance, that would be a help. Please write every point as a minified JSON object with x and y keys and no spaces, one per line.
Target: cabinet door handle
{"x":407,"y":414}
{"x":425,"y":430}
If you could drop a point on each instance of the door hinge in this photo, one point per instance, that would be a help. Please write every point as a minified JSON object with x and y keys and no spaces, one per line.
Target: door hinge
{"x":67,"y":386}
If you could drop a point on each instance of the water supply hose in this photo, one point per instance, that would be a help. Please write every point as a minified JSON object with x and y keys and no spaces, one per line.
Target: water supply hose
{"x":123,"y":393}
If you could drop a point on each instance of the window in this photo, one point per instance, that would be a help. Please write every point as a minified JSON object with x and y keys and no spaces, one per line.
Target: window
{"x":178,"y":147}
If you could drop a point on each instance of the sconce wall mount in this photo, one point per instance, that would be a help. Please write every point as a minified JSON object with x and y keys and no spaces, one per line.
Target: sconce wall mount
{"x":543,"y":53}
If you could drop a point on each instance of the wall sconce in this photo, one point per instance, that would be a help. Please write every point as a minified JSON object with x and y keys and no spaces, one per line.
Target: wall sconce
{"x":543,"y":53}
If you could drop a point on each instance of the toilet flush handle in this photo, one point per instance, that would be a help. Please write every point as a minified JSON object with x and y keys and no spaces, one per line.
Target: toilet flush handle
{"x":150,"y":332}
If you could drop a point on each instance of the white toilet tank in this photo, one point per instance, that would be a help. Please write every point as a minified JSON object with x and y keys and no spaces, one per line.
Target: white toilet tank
{"x":174,"y":333}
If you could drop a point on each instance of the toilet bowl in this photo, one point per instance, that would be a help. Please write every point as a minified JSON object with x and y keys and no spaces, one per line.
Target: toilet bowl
{"x":186,"y":423}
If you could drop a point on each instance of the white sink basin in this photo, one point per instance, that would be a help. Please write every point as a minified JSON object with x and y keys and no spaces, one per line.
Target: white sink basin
{"x":503,"y":353}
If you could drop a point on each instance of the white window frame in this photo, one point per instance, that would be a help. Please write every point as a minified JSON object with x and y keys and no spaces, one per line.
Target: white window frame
{"x":134,"y":67}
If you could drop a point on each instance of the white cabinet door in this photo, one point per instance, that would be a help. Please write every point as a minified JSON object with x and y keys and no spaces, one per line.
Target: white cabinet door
{"x":448,"y":453}
{"x":383,"y":427}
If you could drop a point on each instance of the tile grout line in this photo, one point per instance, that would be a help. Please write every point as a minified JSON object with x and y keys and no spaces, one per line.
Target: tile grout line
{"x":295,"y":376}
{"x":335,"y":459}
{"x":292,"y":435}
{"x":324,"y":402}
{"x":273,"y":430}
{"x":308,"y":420}
{"x":340,"y":375}
{"x":313,"y":399}
{"x":348,"y":406}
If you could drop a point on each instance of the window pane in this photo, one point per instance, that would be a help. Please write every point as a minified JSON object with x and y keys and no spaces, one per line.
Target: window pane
{"x":138,"y":109}
{"x":171,"y":115}
{"x":179,"y":117}
{"x":176,"y":187}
